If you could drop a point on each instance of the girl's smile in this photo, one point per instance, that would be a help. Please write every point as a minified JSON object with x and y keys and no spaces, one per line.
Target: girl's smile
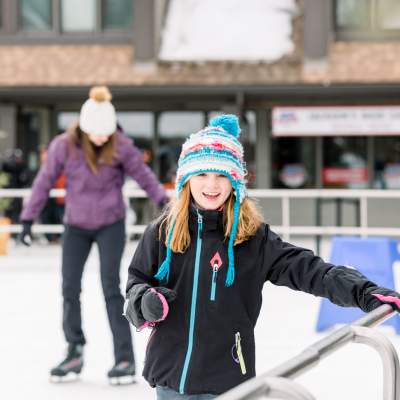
{"x":210,"y":190}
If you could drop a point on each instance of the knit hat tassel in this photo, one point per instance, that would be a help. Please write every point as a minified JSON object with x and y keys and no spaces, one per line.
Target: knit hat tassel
{"x":230,"y":275}
{"x":163,"y":270}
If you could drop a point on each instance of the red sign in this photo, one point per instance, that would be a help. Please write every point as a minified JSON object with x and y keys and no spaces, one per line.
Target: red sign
{"x":345,"y":175}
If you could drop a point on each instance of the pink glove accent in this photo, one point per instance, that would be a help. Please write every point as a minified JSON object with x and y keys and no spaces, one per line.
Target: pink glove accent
{"x":388,"y":299}
{"x":147,"y":324}
{"x":164,"y":304}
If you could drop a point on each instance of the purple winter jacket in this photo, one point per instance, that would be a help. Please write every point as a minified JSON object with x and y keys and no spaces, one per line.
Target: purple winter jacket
{"x":92,"y":200}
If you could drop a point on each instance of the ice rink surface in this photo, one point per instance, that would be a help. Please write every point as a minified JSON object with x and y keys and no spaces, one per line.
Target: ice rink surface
{"x":31,"y":339}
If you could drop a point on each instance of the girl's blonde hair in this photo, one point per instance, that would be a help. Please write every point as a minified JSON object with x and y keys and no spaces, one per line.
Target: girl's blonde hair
{"x":177,"y":217}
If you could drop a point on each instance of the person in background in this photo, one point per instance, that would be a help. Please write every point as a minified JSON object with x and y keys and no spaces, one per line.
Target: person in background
{"x":95,"y":158}
{"x":197,"y":275}
{"x":53,"y":210}
{"x":15,"y":169}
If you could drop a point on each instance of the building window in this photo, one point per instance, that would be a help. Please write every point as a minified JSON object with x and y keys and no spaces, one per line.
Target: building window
{"x":387,"y":162}
{"x":345,"y":163}
{"x":117,"y":14}
{"x":367,"y":19}
{"x":389,"y":14}
{"x":36,"y":15}
{"x":66,"y":119}
{"x":1,"y":15}
{"x":139,"y":125}
{"x":82,"y":21}
{"x":174,"y":128}
{"x":293,"y":163}
{"x":61,"y":18}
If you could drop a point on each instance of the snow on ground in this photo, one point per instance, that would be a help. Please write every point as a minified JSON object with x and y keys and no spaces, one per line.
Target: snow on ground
{"x":31,"y":339}
{"x":204,"y":30}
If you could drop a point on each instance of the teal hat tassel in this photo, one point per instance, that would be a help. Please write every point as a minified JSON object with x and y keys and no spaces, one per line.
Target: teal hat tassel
{"x":230,"y":276}
{"x":163,"y":270}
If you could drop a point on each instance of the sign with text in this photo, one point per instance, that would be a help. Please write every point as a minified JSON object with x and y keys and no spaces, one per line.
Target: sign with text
{"x":336,"y":121}
{"x":344,"y":175}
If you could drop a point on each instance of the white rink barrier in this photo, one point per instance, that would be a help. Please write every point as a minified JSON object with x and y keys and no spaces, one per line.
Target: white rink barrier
{"x":286,"y":196}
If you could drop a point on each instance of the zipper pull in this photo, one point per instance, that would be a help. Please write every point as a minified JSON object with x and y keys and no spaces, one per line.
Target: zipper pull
{"x":200,"y":223}
{"x":215,"y":270}
{"x":214,"y":281}
{"x":239,"y":353}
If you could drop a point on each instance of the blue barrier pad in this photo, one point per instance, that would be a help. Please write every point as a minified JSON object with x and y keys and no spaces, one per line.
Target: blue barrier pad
{"x":373,"y":257}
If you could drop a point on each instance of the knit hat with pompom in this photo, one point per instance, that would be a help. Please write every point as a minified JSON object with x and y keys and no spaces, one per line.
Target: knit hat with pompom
{"x":215,"y":148}
{"x":97,"y":116}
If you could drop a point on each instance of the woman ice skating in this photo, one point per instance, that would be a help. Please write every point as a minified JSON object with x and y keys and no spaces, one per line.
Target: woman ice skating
{"x":95,"y":158}
{"x":197,"y":275}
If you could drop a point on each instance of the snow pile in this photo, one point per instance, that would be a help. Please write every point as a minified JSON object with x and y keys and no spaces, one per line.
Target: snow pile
{"x":234,"y":30}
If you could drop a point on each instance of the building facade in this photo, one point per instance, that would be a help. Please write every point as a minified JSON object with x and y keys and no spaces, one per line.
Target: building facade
{"x":323,"y":114}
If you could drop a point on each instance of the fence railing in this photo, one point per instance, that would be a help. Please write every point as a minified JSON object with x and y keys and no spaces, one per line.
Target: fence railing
{"x":278,"y":383}
{"x":286,"y":229}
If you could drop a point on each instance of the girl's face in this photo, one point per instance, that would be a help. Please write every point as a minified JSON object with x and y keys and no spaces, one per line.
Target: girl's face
{"x":210,"y":190}
{"x":98,"y":140}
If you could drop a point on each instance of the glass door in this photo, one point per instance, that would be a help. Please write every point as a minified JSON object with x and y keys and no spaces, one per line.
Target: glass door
{"x":345,"y":163}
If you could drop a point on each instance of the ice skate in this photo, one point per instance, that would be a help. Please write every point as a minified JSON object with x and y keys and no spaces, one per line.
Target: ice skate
{"x":122,"y":373}
{"x":70,"y":368}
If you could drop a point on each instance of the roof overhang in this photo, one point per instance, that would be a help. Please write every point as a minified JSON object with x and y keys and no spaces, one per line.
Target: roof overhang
{"x":268,"y":94}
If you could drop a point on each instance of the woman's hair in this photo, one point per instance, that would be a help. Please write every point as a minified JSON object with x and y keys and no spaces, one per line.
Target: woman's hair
{"x":93,"y":154}
{"x":177,"y":216}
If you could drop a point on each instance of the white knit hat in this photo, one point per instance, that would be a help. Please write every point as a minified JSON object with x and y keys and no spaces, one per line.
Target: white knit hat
{"x":97,"y":116}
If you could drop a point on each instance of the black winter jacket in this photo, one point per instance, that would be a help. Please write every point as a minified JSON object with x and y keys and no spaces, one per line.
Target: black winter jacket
{"x":206,"y":344}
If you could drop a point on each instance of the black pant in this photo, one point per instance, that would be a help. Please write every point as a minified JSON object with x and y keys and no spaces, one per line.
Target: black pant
{"x":77,"y":243}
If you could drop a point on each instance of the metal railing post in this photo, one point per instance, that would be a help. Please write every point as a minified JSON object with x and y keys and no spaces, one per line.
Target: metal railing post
{"x":286,"y":217}
{"x":390,"y":360}
{"x":364,"y":216}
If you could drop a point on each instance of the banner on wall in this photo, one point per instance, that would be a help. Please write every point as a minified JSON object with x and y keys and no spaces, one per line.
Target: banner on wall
{"x":336,"y":121}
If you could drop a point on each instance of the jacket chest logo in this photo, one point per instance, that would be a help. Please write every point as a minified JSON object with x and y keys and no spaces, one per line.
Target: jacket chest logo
{"x":216,"y":261}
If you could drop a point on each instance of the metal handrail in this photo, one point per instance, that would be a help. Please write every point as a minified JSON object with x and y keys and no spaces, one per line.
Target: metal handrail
{"x":286,"y":229}
{"x":360,"y":331}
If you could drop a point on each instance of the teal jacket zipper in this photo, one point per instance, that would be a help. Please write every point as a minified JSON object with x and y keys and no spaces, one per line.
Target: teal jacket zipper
{"x":193,"y":305}
{"x":214,"y":282}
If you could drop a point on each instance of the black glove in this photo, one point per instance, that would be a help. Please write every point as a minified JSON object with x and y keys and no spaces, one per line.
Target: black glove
{"x":142,"y":295}
{"x":387,"y":296}
{"x":155,"y":303}
{"x":132,"y":309}
{"x":26,"y":234}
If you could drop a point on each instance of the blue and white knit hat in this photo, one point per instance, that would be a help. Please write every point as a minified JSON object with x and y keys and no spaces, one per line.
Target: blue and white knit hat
{"x":215,"y":148}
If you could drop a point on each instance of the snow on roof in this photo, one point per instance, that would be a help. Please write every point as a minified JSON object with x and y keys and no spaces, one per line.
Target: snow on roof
{"x":236,"y":30}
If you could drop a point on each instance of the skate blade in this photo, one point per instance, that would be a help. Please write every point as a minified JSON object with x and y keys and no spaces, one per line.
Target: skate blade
{"x":121,"y":380}
{"x":70,"y":377}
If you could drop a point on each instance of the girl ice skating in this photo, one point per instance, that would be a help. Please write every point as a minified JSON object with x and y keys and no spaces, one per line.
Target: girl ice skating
{"x":197,"y":275}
